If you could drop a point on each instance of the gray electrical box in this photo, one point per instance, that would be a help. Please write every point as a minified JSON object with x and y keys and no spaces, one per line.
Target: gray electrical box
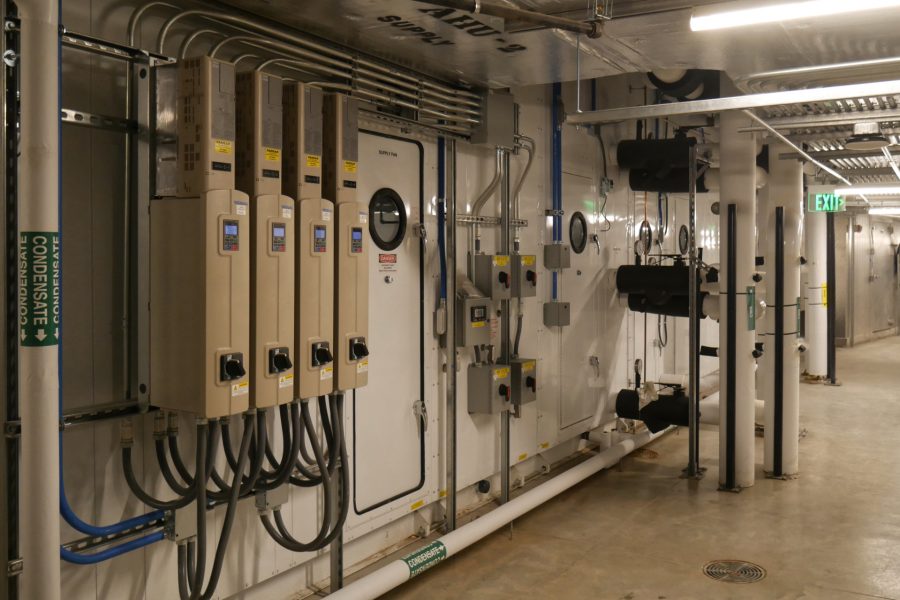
{"x":524,"y":380}
{"x":489,"y":389}
{"x":498,"y":121}
{"x":492,"y":276}
{"x":473,"y":317}
{"x":557,"y":256}
{"x":557,"y":314}
{"x":524,"y":275}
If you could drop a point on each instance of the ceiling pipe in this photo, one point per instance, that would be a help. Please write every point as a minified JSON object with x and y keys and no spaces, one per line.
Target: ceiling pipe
{"x":495,"y":9}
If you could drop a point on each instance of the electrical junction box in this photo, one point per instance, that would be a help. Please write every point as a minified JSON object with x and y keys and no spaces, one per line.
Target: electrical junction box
{"x":302,"y":141}
{"x":314,"y":293}
{"x":351,"y":281}
{"x":524,"y":380}
{"x":524,"y":275}
{"x":557,"y":314}
{"x":489,"y":389}
{"x":557,"y":257}
{"x":498,"y":121}
{"x":200,"y":303}
{"x":272,"y":254}
{"x":473,"y":317}
{"x":206,"y":126}
{"x":492,"y":275}
{"x":259,"y":138}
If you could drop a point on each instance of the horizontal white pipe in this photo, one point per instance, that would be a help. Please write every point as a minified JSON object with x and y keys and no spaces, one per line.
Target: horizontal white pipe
{"x":709,"y":410}
{"x":397,"y":572}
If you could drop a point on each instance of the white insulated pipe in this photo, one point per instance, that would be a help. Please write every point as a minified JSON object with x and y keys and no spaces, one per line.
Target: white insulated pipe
{"x":38,"y":207}
{"x":816,"y":299}
{"x":785,"y":190}
{"x":738,"y":187}
{"x":399,"y":571}
{"x":709,"y":410}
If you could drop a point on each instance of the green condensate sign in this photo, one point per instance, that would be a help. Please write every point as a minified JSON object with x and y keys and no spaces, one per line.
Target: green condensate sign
{"x":424,"y":558}
{"x":39,"y":288}
{"x":751,"y":307}
{"x":825,"y":202}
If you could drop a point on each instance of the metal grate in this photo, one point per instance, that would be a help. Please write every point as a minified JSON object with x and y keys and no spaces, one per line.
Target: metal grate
{"x":734,"y":571}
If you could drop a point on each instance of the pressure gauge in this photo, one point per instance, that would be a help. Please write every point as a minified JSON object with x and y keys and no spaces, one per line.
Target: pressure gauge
{"x":684,"y":240}
{"x":645,"y":239}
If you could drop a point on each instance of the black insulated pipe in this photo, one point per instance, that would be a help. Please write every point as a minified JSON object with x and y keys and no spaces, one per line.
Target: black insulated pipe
{"x":778,"y":454}
{"x":655,"y":282}
{"x":668,"y":409}
{"x":831,"y":282}
{"x":672,"y":181}
{"x":676,"y":306}
{"x":731,"y":348}
{"x":496,"y":9}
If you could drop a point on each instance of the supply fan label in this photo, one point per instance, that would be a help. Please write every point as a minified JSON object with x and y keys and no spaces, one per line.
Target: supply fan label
{"x":424,"y":558}
{"x":39,"y":288}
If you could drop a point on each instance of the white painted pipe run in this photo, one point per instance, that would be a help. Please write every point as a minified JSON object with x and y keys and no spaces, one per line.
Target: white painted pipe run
{"x":785,"y":190}
{"x":738,"y":175}
{"x":816,"y":302}
{"x":399,"y":571}
{"x":39,"y":353}
{"x":709,"y":410}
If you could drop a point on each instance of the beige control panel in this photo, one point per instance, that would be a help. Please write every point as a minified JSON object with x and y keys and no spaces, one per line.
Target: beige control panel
{"x":259,"y":133}
{"x":206,"y":126}
{"x":200,"y":303}
{"x":314,"y":317}
{"x":303,"y":151}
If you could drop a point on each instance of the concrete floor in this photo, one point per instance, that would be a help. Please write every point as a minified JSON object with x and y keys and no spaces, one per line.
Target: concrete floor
{"x":639,"y":532}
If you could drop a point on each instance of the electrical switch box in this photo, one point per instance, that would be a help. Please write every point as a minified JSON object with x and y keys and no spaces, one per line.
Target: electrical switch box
{"x":557,"y":256}
{"x":524,"y":275}
{"x":473,"y":318}
{"x":489,"y":389}
{"x":498,"y":121}
{"x":314,"y":292}
{"x":557,"y":314}
{"x":259,"y":137}
{"x":206,"y":126}
{"x":341,"y":148}
{"x":302,"y":141}
{"x":200,"y":303}
{"x":351,"y":292}
{"x":493,"y":276}
{"x":524,"y":380}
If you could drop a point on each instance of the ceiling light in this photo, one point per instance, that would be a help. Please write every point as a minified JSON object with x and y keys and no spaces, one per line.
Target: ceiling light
{"x":883,"y":190}
{"x":867,"y":137}
{"x":741,"y":14}
{"x":885,"y":211}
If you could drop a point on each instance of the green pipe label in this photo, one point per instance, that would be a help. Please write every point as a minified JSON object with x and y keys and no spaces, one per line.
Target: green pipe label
{"x":39,"y":288}
{"x":424,"y":558}
{"x":751,"y":307}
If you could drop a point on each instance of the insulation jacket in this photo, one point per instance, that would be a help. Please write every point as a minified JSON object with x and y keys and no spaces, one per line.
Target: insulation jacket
{"x":654,"y":281}
{"x":654,"y":155}
{"x":667,"y":181}
{"x":676,"y":306}
{"x":667,"y":410}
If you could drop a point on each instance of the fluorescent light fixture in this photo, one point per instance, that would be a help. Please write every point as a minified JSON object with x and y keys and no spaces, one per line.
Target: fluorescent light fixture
{"x":742,"y":14}
{"x":884,"y":190}
{"x":885,"y":211}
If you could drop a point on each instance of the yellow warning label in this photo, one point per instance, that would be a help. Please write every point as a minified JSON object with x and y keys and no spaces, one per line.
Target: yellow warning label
{"x":529,"y":260}
{"x":442,"y":494}
{"x":273,"y":154}
{"x":545,"y":445}
{"x":326,"y":372}
{"x":825,"y":294}
{"x":523,"y":456}
{"x":314,"y":161}
{"x":501,"y":260}
{"x":350,"y":166}
{"x":501,"y":373}
{"x":224,"y":146}
{"x":416,"y":505}
{"x":362,"y":366}
{"x":479,"y":324}
{"x":528,"y":367}
{"x":286,"y":380}
{"x":239,"y":389}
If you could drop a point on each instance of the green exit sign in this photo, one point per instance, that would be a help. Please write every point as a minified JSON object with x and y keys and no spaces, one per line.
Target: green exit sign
{"x":825,"y":202}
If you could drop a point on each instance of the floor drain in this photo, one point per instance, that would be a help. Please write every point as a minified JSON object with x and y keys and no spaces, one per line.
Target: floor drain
{"x":734,"y":571}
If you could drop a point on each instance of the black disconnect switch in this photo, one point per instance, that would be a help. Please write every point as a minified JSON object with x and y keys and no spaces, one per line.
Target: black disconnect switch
{"x":279,"y":360}
{"x":358,"y":348}
{"x":321,"y":354}
{"x":231,"y":366}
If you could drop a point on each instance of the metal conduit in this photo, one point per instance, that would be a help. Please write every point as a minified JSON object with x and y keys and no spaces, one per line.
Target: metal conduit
{"x":495,"y":9}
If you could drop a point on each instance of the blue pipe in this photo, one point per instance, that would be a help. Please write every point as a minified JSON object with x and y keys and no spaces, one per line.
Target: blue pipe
{"x":556,"y":170}
{"x":441,"y":213}
{"x":98,"y":557}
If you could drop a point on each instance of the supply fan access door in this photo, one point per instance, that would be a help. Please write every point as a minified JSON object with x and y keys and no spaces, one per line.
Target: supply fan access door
{"x":388,"y":443}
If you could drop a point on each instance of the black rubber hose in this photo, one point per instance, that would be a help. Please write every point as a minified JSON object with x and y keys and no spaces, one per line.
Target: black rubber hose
{"x":518,"y":335}
{"x":183,"y":591}
{"x":200,"y":486}
{"x":212,"y":440}
{"x":308,"y":479}
{"x":286,"y":445}
{"x":162,"y":459}
{"x":248,"y":481}
{"x":304,"y":451}
{"x":286,"y":469}
{"x":191,"y":560}
{"x":226,"y":444}
{"x":227,"y":526}
{"x":143,"y":496}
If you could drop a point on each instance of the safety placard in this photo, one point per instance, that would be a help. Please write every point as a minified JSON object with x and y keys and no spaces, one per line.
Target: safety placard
{"x":39,"y":306}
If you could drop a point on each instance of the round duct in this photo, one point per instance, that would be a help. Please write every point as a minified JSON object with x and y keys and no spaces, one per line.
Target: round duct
{"x":867,"y":137}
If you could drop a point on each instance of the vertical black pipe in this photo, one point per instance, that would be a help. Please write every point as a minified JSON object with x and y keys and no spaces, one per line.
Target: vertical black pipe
{"x":731,"y":348}
{"x":831,"y":280}
{"x":778,"y":454}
